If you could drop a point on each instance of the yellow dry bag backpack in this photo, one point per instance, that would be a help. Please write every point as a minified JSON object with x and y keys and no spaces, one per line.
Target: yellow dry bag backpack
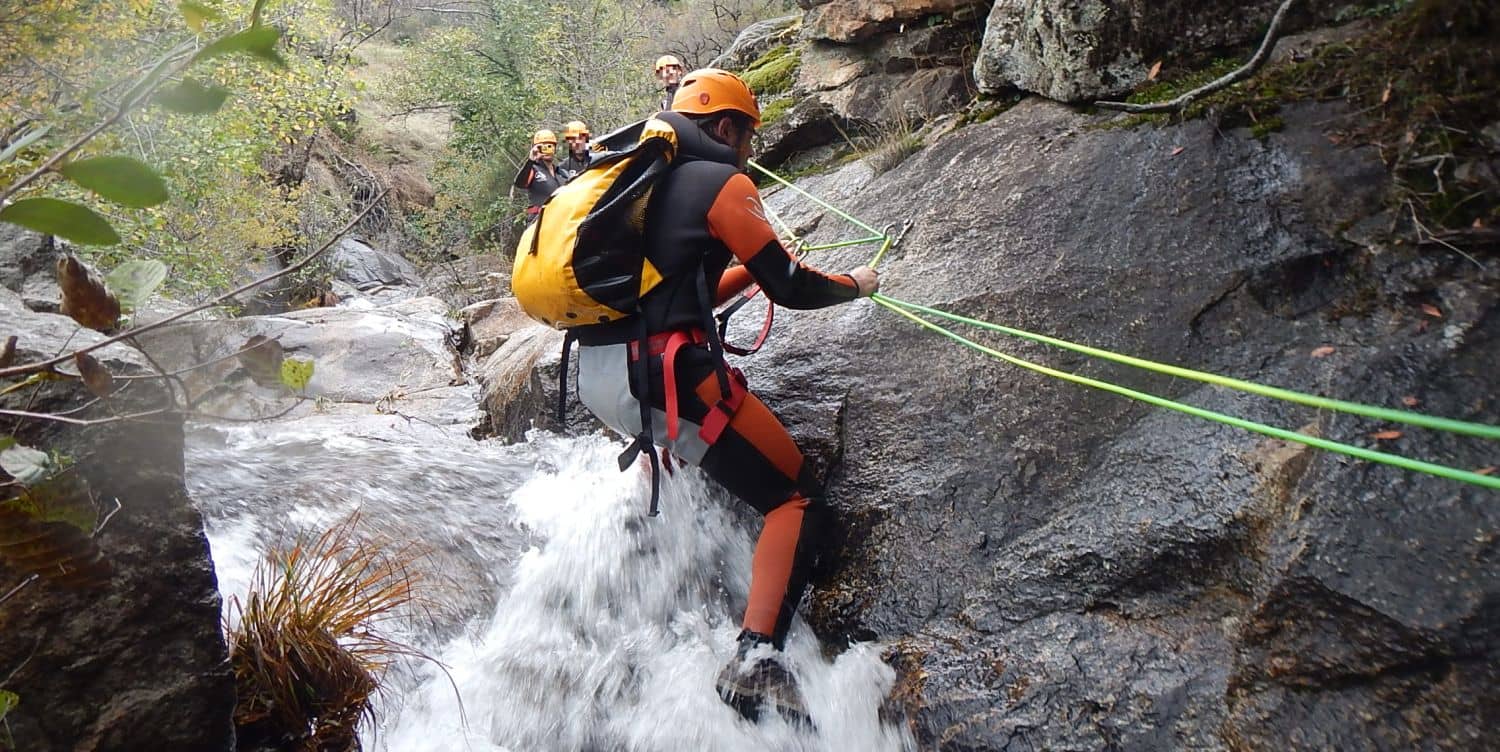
{"x":583,"y":261}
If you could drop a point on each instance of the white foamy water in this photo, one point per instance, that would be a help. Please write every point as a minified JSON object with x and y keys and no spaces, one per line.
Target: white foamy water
{"x":577,"y":622}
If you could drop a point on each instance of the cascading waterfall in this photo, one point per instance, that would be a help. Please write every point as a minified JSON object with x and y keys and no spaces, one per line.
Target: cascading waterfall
{"x":577,"y":622}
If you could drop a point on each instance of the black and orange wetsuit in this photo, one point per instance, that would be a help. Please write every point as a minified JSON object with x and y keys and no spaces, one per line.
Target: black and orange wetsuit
{"x":540,"y":181}
{"x":704,"y":214}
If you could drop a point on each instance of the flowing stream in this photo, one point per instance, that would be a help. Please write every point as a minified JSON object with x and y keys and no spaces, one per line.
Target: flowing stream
{"x":569,"y":619}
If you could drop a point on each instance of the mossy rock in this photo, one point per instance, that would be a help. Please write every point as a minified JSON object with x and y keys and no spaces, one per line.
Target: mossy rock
{"x":777,"y":109}
{"x":773,"y":72}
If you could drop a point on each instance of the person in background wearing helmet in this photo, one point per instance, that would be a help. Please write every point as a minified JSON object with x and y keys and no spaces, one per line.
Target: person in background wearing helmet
{"x":576,"y":135}
{"x":539,"y":176}
{"x":703,"y":214}
{"x":669,"y":75}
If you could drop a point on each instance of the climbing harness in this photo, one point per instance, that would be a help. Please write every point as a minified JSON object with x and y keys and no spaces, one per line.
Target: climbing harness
{"x":911,"y":311}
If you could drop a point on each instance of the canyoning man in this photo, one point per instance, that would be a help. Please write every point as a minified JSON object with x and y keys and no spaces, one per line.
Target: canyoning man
{"x":669,"y":75}
{"x":538,"y":175}
{"x":576,"y":136}
{"x":705,"y":213}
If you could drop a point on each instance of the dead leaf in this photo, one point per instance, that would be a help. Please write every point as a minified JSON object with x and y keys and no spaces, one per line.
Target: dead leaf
{"x":1411,"y":137}
{"x":95,"y":376}
{"x":1478,"y":223}
{"x":1410,"y":401}
{"x":8,"y":354}
{"x":1386,"y":435}
{"x":1431,"y":310}
{"x":1487,"y":470}
{"x":1335,"y":139}
{"x":84,"y":296}
{"x":1155,"y":69}
{"x":1177,"y":151}
{"x":1322,"y":352}
{"x":261,"y":356}
{"x":58,"y":551}
{"x":1385,"y":96}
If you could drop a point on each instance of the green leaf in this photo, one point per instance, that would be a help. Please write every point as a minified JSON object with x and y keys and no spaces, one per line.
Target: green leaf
{"x":192,"y":98}
{"x":259,"y":41}
{"x":197,"y":15}
{"x":27,"y":465}
{"x":23,"y":142}
{"x":8,"y":701}
{"x":64,"y":219}
{"x":133,"y":282}
{"x":296,"y":373}
{"x":7,"y":442}
{"x":124,"y":180}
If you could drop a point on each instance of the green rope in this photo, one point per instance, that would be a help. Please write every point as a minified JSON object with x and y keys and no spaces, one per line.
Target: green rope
{"x":818,"y":201}
{"x":1405,"y":463}
{"x":847,"y":243}
{"x":1398,"y":416}
{"x":885,"y":246}
{"x":1371,"y":411}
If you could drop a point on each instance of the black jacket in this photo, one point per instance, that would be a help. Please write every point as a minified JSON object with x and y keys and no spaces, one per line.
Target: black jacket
{"x":539,"y":182}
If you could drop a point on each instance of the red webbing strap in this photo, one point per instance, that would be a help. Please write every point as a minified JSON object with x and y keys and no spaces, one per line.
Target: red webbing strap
{"x":669,"y":379}
{"x":718,"y":418}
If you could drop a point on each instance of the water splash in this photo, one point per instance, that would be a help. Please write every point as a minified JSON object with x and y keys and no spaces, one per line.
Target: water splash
{"x":587,"y":625}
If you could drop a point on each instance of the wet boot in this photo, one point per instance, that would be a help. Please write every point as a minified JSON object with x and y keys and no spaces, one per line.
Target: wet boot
{"x":756,"y":677}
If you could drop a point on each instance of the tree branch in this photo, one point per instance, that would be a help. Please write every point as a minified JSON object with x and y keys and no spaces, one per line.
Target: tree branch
{"x":27,"y":415}
{"x":1233,"y":77}
{"x":143,"y":89}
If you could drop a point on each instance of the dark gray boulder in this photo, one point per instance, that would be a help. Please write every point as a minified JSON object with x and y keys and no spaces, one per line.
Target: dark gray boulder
{"x":1079,"y":50}
{"x":365,"y":267}
{"x":140,"y":664}
{"x":1062,"y":568}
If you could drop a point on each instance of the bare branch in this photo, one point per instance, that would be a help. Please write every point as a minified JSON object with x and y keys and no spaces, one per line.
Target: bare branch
{"x":461,"y":11}
{"x":1233,"y":77}
{"x":24,"y":414}
{"x":137,"y":331}
{"x":11,"y":594}
{"x":144,"y":88}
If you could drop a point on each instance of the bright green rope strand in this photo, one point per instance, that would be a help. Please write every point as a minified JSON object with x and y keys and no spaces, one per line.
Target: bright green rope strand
{"x":1371,"y":411}
{"x":1398,"y":416}
{"x":818,"y":201}
{"x":1430,"y":468}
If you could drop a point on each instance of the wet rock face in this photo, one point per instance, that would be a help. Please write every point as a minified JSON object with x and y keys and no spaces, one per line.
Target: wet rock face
{"x":1067,"y":569}
{"x":139,"y":664}
{"x":891,"y":82}
{"x":365,"y":267}
{"x":856,"y":20}
{"x":1079,"y":50}
{"x":396,"y":359}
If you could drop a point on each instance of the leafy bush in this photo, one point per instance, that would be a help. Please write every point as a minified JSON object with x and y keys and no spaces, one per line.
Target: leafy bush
{"x":210,"y":132}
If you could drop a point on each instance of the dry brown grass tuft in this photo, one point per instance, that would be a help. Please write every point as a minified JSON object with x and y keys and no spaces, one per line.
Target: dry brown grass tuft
{"x":307,"y":646}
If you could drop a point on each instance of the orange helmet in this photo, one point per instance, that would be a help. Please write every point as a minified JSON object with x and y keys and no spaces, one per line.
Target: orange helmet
{"x":666,"y":60}
{"x":709,"y":90}
{"x":574,"y":129}
{"x":544,"y":136}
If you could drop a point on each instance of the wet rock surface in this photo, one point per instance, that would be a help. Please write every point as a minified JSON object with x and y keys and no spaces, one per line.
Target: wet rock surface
{"x":1067,"y":569}
{"x":1078,"y":50}
{"x":395,"y":359}
{"x":1057,"y":567}
{"x":138,"y":664}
